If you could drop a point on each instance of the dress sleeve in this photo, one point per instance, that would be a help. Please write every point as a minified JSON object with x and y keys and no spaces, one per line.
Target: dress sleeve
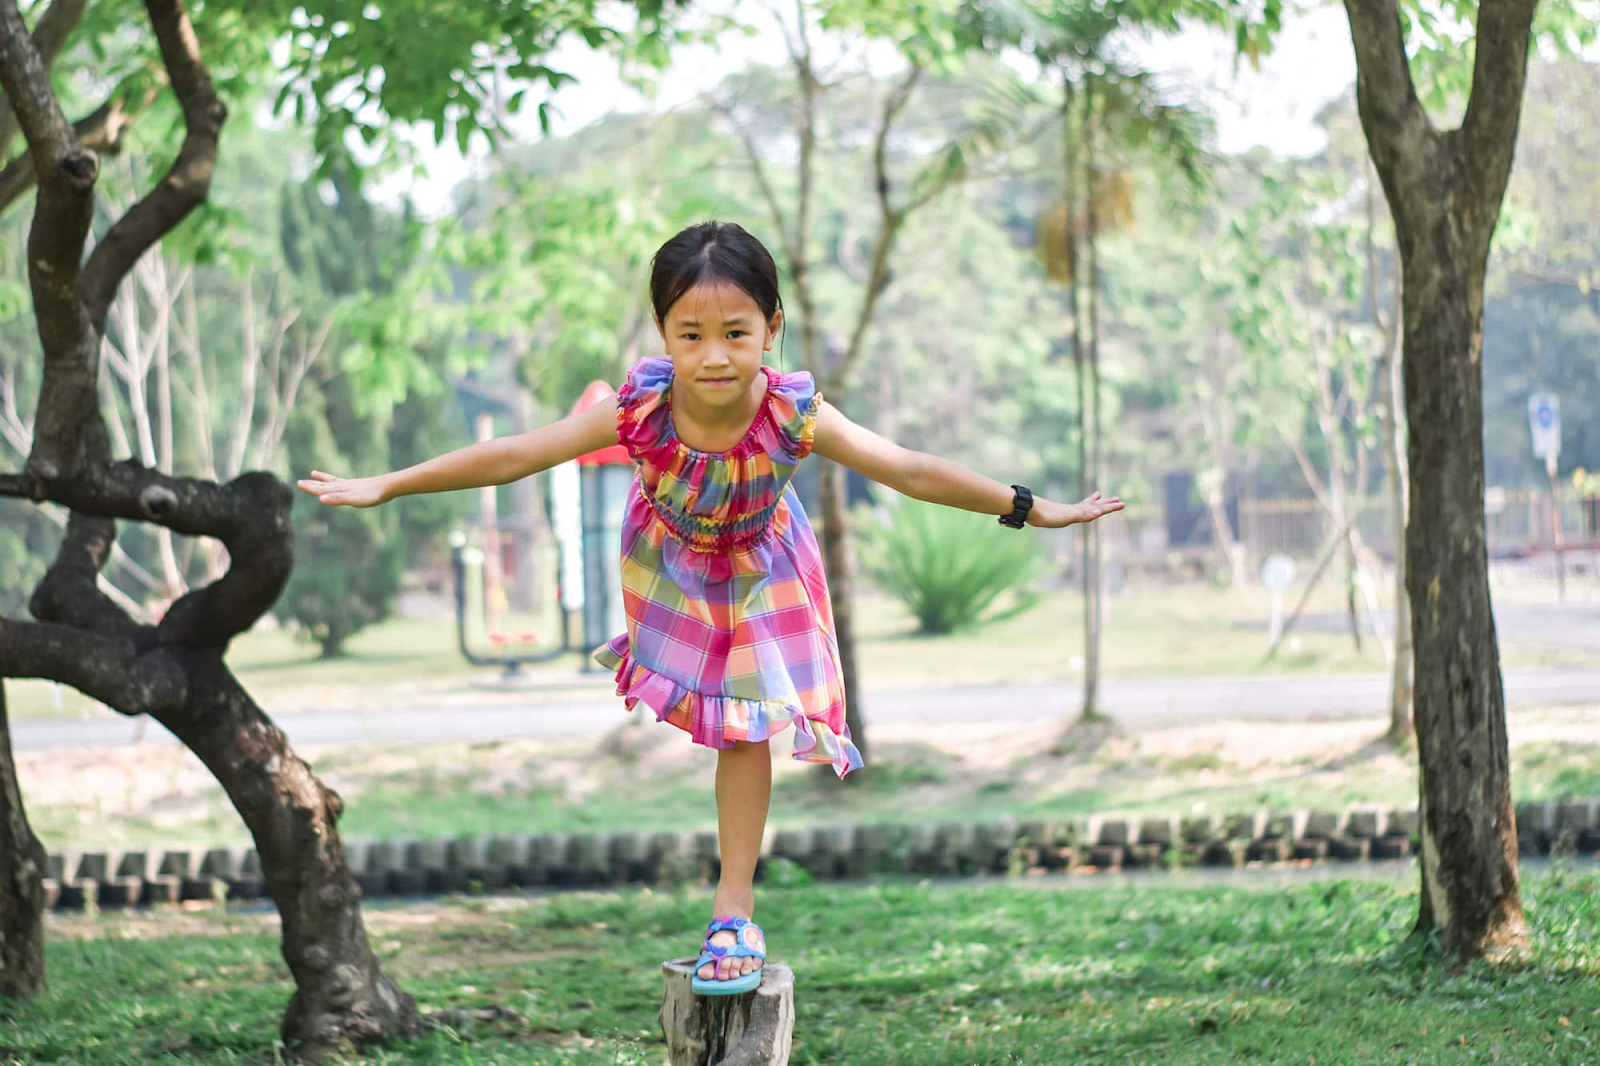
{"x":795,"y":401}
{"x":642,"y":423}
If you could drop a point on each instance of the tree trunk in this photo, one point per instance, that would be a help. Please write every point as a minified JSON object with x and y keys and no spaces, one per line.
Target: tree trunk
{"x":22,"y":866}
{"x":1351,"y":613}
{"x":836,"y":564}
{"x":1094,"y":562}
{"x":341,"y":997}
{"x":1469,"y":869}
{"x":1230,"y":552}
{"x":753,"y":1029}
{"x":1444,"y":192}
{"x":173,"y":670}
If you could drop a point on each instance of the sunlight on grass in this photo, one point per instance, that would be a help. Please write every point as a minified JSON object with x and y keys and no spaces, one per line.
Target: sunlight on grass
{"x":892,"y":972}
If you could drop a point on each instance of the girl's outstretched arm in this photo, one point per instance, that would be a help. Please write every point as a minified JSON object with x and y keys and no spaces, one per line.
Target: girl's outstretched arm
{"x":928,"y":477}
{"x":489,"y":462}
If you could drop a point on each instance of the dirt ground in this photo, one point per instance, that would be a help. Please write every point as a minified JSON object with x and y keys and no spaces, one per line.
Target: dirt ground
{"x":146,"y":792}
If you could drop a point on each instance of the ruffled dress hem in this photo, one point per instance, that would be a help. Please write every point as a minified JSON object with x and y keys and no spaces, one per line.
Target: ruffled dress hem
{"x":721,"y":721}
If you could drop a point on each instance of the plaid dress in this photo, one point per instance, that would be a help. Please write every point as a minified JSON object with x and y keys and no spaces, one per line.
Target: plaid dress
{"x":730,"y":630}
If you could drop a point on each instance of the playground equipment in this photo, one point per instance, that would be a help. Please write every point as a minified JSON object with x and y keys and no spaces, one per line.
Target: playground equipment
{"x":585,"y":499}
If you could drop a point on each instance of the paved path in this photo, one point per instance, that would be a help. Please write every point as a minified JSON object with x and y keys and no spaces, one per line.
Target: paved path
{"x":546,"y":714}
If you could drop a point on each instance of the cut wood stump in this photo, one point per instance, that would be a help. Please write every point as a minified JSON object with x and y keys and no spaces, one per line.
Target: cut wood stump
{"x":753,"y":1029}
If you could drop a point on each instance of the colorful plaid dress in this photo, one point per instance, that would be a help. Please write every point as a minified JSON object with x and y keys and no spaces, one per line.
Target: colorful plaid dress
{"x":730,"y":630}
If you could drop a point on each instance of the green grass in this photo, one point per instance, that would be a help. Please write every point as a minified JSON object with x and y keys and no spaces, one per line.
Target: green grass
{"x":1024,"y":971}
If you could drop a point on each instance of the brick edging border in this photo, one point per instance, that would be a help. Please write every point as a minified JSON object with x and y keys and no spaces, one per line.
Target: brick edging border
{"x":89,"y":879}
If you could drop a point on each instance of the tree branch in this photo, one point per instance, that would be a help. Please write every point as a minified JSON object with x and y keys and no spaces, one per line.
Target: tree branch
{"x":100,"y":131}
{"x":890,"y":219}
{"x":69,"y":595}
{"x":51,"y":32}
{"x":249,"y":514}
{"x":187,"y":182}
{"x":1391,"y":114}
{"x":1499,"y":69}
{"x":23,"y":485}
{"x":113,"y":671}
{"x":763,"y":182}
{"x":66,"y":173}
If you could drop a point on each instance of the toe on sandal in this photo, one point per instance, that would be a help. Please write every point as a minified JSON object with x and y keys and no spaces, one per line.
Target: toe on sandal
{"x":749,"y":942}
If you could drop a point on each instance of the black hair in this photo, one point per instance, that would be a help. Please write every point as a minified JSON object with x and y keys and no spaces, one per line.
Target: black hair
{"x":714,"y":251}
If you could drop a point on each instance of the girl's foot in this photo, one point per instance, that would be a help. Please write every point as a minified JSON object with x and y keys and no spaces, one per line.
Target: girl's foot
{"x":730,"y":967}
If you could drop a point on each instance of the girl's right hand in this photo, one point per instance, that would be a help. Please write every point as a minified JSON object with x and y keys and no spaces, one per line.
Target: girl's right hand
{"x":352,"y":492}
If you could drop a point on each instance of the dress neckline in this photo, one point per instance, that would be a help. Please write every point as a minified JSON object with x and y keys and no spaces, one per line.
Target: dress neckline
{"x":762,"y":414}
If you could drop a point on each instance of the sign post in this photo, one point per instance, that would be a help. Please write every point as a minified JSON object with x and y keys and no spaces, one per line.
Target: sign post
{"x":1277,"y":574}
{"x":1544,"y":424}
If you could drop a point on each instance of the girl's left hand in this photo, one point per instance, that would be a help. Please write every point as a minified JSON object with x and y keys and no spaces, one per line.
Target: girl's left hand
{"x":1047,"y":514}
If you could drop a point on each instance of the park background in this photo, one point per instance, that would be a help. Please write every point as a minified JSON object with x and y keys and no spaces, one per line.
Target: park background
{"x":332,"y":306}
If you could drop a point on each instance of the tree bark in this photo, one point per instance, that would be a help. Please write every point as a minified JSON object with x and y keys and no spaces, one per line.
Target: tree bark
{"x":1093,"y":563}
{"x":341,"y":996}
{"x":22,"y":866}
{"x":753,"y":1029}
{"x":173,"y":671}
{"x":1444,"y":191}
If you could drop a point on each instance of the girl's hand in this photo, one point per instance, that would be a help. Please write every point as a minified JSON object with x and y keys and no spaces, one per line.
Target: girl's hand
{"x":1047,"y":514}
{"x":352,"y":492}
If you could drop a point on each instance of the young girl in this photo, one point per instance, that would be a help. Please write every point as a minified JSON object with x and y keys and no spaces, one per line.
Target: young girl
{"x":730,"y":631}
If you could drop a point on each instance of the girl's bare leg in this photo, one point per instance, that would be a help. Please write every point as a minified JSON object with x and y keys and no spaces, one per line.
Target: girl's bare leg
{"x":744,"y":788}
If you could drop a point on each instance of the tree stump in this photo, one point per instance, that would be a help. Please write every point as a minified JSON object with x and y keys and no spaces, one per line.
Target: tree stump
{"x":752,"y":1029}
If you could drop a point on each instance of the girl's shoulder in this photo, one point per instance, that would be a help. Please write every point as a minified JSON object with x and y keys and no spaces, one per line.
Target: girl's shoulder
{"x":793,"y":401}
{"x":649,"y":378}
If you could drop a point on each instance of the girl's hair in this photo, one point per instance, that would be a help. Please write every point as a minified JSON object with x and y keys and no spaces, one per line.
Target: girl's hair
{"x":713,"y":251}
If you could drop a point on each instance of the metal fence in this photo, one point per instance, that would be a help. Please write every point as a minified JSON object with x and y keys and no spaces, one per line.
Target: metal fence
{"x":1517,"y":522}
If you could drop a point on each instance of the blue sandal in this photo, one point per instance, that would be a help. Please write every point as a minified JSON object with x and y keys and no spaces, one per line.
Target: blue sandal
{"x":749,"y":942}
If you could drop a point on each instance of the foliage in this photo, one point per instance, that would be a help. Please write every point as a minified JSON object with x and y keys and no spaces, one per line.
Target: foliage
{"x":347,"y":560}
{"x":948,"y":566}
{"x":345,"y":255}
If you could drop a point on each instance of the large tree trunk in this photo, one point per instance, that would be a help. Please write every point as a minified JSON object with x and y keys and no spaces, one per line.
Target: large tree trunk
{"x":22,"y":866}
{"x":1444,"y":191}
{"x":341,"y":997}
{"x":1469,"y":868}
{"x":173,"y":670}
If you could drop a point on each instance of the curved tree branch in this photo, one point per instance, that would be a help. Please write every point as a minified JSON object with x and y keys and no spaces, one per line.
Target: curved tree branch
{"x":49,"y":34}
{"x":187,"y":182}
{"x":99,"y":131}
{"x":113,"y":671}
{"x":69,"y":594}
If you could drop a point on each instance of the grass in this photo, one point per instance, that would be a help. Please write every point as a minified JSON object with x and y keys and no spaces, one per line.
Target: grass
{"x":1191,"y":630}
{"x":1025,"y":971}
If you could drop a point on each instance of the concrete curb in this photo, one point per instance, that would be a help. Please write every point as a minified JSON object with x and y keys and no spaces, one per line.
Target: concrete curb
{"x":107,"y":879}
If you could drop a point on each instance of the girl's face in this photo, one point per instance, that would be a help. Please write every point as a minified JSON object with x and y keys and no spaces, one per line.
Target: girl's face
{"x":717,"y":338}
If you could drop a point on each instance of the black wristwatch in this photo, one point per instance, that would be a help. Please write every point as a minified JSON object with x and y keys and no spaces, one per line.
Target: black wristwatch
{"x":1021,"y":503}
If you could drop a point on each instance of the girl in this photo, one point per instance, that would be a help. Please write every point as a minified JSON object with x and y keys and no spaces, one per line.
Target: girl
{"x":730,"y":632}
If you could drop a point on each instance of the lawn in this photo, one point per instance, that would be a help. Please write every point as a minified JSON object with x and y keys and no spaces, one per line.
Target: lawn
{"x":1022,"y":971}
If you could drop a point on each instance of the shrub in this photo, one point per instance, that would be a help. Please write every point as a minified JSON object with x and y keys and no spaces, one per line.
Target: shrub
{"x":949,"y":566}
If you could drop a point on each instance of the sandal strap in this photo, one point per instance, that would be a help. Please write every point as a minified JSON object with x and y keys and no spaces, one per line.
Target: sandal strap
{"x":748,"y":941}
